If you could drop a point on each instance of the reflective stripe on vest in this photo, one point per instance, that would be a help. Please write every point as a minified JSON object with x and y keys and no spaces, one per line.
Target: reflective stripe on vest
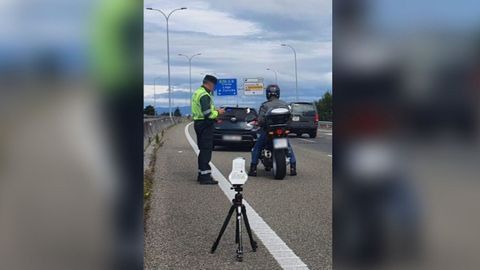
{"x":197,"y":112}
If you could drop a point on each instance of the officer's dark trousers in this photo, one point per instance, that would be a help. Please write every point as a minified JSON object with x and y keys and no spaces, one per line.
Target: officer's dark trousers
{"x":204,"y":131}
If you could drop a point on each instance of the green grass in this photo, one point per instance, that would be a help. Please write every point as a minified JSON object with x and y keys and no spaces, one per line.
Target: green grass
{"x":147,"y":190}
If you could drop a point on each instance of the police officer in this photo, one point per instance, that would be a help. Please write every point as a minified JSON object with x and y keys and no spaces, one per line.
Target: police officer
{"x":204,"y":115}
{"x":273,"y":94}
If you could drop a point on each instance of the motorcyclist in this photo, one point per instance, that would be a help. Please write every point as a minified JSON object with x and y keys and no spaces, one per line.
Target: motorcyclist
{"x":273,"y":101}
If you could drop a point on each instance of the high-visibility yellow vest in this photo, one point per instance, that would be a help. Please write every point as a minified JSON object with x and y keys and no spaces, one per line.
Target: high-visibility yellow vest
{"x":197,"y":112}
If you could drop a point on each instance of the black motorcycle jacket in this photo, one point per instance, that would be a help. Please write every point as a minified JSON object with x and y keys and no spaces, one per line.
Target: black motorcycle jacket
{"x":268,"y":105}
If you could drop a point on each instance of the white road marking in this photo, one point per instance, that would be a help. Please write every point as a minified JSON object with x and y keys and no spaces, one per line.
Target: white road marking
{"x":308,"y":140}
{"x":285,"y":257}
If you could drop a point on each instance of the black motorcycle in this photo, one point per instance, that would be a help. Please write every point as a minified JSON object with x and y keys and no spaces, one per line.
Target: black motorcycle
{"x":275,"y":154}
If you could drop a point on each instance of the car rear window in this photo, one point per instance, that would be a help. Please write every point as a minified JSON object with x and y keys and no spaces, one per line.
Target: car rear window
{"x":306,"y":109}
{"x":239,"y":113}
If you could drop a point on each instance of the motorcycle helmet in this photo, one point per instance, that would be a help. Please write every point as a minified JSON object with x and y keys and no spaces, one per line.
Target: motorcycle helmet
{"x":272,"y":90}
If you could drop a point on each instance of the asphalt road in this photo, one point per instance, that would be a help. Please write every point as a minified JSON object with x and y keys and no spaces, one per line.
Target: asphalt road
{"x":185,"y":217}
{"x":322,"y":143}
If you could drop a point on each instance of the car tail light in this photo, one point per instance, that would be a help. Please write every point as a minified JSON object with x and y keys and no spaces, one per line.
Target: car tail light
{"x":279,"y":131}
{"x":317,"y":118}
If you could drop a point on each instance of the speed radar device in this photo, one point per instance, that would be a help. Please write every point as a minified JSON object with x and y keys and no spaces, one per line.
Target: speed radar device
{"x":237,"y":178}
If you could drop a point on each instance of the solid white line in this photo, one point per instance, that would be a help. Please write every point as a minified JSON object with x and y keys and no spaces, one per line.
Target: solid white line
{"x":308,"y":140}
{"x":285,"y":257}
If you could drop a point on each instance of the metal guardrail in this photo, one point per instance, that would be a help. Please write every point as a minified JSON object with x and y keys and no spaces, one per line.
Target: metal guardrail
{"x":326,"y":124}
{"x":155,"y":125}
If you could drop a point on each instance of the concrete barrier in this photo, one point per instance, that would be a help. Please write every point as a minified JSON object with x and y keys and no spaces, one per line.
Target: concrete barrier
{"x":155,"y":125}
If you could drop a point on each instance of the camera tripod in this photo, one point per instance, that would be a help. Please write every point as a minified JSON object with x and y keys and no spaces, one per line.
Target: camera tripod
{"x":241,"y":214}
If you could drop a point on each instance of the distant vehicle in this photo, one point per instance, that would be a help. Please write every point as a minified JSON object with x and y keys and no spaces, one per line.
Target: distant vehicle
{"x":304,"y":119}
{"x":237,"y":127}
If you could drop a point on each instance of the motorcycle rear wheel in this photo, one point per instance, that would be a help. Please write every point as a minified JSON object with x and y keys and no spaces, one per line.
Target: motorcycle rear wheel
{"x":279,"y":164}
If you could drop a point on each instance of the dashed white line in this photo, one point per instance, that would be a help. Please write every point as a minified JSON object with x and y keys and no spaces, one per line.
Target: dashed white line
{"x":285,"y":257}
{"x":307,"y":140}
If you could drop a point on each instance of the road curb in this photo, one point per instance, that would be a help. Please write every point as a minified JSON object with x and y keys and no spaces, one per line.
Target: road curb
{"x":149,"y":157}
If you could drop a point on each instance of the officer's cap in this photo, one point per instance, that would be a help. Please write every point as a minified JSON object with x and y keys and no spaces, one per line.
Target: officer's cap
{"x":210,"y":78}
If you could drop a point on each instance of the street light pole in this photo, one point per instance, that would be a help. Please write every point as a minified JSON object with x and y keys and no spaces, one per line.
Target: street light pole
{"x":276,"y":76}
{"x":189,"y":58}
{"x":296,"y":77}
{"x":154,"y":95}
{"x":168,"y":56}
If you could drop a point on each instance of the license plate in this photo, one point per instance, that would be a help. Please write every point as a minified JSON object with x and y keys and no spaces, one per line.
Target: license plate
{"x":232,"y":137}
{"x":296,"y":118}
{"x":280,"y":143}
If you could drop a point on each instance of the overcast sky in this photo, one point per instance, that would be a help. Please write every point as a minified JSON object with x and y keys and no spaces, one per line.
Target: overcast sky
{"x":239,"y":39}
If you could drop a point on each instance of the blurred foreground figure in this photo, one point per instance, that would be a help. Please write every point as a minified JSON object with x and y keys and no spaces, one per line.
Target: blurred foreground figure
{"x":406,"y":134}
{"x":71,"y":168}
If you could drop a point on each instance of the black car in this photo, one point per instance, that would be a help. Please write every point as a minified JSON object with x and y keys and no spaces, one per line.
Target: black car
{"x":304,"y":119}
{"x":236,"y":127}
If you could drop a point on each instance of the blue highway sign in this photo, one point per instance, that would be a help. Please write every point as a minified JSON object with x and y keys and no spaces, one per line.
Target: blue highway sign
{"x":226,"y":87}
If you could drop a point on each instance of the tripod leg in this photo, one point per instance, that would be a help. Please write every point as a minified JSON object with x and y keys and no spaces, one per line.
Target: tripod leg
{"x":249,"y":230}
{"x":237,"y":229}
{"x":239,"y":235}
{"x":225,"y":223}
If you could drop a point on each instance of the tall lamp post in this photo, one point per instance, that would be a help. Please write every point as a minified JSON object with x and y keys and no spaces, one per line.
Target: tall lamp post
{"x":296,"y":77}
{"x":154,"y":95}
{"x":189,"y":58}
{"x":276,"y":76}
{"x":168,"y":56}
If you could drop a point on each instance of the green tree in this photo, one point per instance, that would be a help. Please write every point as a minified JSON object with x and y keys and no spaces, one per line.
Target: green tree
{"x":325,"y":107}
{"x":177,"y":112}
{"x":149,"y":110}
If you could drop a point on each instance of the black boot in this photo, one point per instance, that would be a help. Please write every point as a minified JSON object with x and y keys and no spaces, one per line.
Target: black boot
{"x":293,"y":169}
{"x":253,"y":170}
{"x":207,"y":180}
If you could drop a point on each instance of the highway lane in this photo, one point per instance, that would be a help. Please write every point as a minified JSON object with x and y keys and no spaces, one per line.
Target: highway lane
{"x":322,"y":143}
{"x":185,"y":217}
{"x":298,"y":208}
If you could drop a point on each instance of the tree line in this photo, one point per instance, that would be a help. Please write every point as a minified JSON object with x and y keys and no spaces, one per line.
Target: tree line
{"x":150,"y":110}
{"x":325,"y":107}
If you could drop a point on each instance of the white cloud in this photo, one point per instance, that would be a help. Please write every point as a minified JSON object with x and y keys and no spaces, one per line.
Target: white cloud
{"x":202,"y":19}
{"x":281,"y":8}
{"x":236,"y":42}
{"x":180,"y":96}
